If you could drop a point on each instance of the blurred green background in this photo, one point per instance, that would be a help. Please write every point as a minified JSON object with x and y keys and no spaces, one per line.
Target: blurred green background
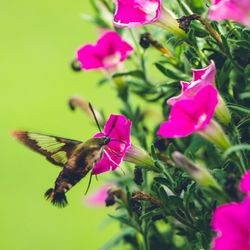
{"x":38,"y":40}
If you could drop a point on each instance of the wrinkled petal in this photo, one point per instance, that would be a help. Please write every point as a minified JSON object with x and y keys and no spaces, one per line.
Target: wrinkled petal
{"x":245,"y":183}
{"x":236,"y":10}
{"x":201,"y":79}
{"x":131,"y":13}
{"x":190,"y":115}
{"x":109,"y":51}
{"x":231,"y":222}
{"x":118,"y":128}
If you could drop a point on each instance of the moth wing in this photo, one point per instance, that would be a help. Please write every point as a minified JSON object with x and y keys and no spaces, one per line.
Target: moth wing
{"x":56,"y":149}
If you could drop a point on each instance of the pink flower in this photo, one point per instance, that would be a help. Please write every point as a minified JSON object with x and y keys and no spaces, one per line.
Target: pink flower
{"x":201,"y":79}
{"x":245,"y":183}
{"x":231,"y":222}
{"x":236,"y":10}
{"x":131,"y":13}
{"x":107,"y":53}
{"x":118,"y":129}
{"x":99,"y":196}
{"x":190,"y":115}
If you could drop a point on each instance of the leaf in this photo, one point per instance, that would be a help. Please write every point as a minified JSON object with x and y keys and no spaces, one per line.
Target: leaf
{"x":119,"y":237}
{"x":135,"y":73}
{"x":163,"y":181}
{"x":175,"y":202}
{"x":236,"y":148}
{"x":170,"y":73}
{"x":163,"y":195}
{"x":124,"y":220}
{"x":151,"y":214}
{"x":238,"y":108}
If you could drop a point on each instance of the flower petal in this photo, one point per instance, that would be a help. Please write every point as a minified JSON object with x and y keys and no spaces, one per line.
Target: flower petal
{"x":190,"y":115}
{"x":231,"y":222}
{"x":245,"y":183}
{"x":201,"y":79}
{"x":131,"y":13}
{"x":118,"y":129}
{"x":109,"y":51}
{"x":236,"y":10}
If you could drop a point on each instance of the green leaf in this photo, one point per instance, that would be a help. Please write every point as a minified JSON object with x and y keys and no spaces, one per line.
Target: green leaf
{"x":124,"y":220}
{"x":118,"y":239}
{"x":135,"y":73}
{"x":236,"y":148}
{"x":240,"y":109}
{"x":170,"y":73}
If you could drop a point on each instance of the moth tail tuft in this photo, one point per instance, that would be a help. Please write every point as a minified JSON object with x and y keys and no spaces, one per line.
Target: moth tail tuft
{"x":56,"y":198}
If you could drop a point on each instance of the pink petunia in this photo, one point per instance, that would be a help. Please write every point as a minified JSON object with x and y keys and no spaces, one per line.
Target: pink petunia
{"x":190,"y":115}
{"x":236,"y":10}
{"x":107,"y":53}
{"x":201,"y":79}
{"x":245,"y":183}
{"x":231,"y":222}
{"x":99,"y":196}
{"x":118,"y":129}
{"x":131,"y":13}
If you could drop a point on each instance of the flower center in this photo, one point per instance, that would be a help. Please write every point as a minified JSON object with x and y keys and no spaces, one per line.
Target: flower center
{"x":148,"y":7}
{"x":112,"y":60}
{"x":202,"y":118}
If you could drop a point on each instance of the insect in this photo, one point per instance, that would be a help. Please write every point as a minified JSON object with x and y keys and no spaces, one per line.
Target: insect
{"x":76,"y":158}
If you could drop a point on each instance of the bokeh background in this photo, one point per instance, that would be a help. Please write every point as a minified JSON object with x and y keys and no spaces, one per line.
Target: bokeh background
{"x":38,"y":40}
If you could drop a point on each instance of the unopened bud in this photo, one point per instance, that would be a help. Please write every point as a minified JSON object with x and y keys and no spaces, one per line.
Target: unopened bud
{"x":139,"y":157}
{"x":199,"y":173}
{"x":80,"y":102}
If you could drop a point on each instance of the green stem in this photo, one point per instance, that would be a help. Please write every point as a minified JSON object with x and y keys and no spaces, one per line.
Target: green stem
{"x":186,"y":10}
{"x":235,"y":31}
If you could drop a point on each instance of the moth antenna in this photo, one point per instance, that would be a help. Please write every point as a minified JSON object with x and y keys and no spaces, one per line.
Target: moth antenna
{"x":90,"y":180}
{"x":96,"y":121}
{"x":112,"y":127}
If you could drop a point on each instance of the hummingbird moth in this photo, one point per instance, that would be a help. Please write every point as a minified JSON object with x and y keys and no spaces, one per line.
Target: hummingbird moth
{"x":76,"y":158}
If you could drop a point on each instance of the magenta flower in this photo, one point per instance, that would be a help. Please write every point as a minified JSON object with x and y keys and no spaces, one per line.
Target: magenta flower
{"x":118,"y":129}
{"x":201,"y":79}
{"x":236,"y":10}
{"x":231,"y":222}
{"x":131,"y":13}
{"x":190,"y":115}
{"x":99,"y":196}
{"x":245,"y":183}
{"x":107,"y":53}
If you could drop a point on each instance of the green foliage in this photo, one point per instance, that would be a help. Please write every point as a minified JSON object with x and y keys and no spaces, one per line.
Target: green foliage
{"x":176,"y":212}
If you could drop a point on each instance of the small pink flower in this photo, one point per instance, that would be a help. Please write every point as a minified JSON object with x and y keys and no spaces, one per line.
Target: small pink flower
{"x":99,"y":196}
{"x":107,"y":53}
{"x":232,"y":224}
{"x":201,"y":79}
{"x":245,"y":183}
{"x":118,"y":129}
{"x":131,"y":13}
{"x":190,"y":115}
{"x":236,"y":10}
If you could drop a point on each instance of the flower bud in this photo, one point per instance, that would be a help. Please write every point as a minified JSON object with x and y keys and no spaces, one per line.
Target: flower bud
{"x":222,"y":111}
{"x":80,"y":102}
{"x":138,"y":156}
{"x":214,"y":133}
{"x":168,"y":21}
{"x":199,"y":173}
